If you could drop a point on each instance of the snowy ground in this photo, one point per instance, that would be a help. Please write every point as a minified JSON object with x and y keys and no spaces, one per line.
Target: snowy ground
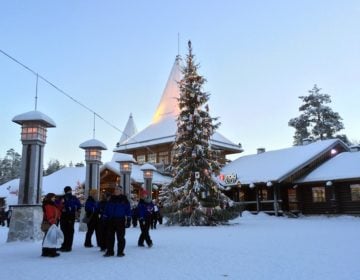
{"x":254,"y":247}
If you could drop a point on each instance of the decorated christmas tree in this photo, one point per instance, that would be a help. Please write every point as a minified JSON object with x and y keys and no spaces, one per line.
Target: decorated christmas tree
{"x":193,"y":198}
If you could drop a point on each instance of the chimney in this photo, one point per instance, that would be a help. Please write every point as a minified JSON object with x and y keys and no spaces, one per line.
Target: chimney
{"x":355,"y":148}
{"x":260,"y":150}
{"x":306,"y":141}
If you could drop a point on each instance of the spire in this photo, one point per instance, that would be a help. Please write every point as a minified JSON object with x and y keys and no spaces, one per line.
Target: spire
{"x":129,"y":130}
{"x":168,"y":105}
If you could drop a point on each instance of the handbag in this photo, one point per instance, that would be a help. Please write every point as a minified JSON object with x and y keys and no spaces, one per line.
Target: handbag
{"x":53,"y":238}
{"x":45,"y":225}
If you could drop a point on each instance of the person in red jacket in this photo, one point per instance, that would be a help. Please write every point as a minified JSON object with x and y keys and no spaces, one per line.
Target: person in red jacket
{"x":52,"y":215}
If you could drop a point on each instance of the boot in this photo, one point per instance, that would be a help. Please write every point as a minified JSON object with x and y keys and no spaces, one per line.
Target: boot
{"x":108,"y":254}
{"x":45,"y":252}
{"x":53,"y":253}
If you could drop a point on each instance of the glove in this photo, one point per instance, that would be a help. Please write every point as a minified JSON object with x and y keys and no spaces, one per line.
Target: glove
{"x":128,"y":222}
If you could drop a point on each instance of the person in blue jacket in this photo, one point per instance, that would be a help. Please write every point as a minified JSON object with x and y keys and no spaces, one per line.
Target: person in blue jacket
{"x":118,"y":215}
{"x":92,"y":215}
{"x":145,"y":212}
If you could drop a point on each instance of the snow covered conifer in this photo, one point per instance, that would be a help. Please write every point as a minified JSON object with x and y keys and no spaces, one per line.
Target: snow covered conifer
{"x":317,"y":120}
{"x":193,"y":195}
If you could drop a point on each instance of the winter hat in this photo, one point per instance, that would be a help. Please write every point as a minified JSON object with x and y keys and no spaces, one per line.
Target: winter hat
{"x":49,"y":196}
{"x":67,"y":189}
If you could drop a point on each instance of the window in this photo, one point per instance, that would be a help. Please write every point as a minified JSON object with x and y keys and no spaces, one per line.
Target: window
{"x":355,"y":192}
{"x":164,"y":157}
{"x":263,"y":194}
{"x":151,"y":158}
{"x":292,"y":195}
{"x":140,"y":159}
{"x":241,"y":195}
{"x":318,"y":194}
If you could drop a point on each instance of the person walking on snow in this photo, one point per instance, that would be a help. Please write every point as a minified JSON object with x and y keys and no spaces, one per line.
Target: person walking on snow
{"x":145,"y":211}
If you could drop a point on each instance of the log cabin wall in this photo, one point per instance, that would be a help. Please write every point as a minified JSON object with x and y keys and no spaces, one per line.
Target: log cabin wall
{"x":348,"y":203}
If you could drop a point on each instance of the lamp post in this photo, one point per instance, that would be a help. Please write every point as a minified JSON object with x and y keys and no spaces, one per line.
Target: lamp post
{"x":27,"y":215}
{"x":93,"y":150}
{"x":148,"y":172}
{"x":125,"y":161}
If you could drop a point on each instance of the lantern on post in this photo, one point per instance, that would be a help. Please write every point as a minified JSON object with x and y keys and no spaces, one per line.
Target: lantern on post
{"x":148,"y":172}
{"x":93,"y":150}
{"x":125,"y":161}
{"x":34,"y":126}
{"x":27,"y":215}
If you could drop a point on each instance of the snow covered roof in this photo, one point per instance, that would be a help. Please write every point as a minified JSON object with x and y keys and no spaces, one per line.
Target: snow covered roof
{"x":119,"y":157}
{"x":137,"y":173}
{"x":67,"y":176}
{"x":164,"y":131}
{"x":55,"y":183}
{"x":147,"y":166}
{"x":278,"y":165}
{"x":344,"y":166}
{"x":93,"y":143}
{"x":163,"y":127}
{"x":34,"y":116}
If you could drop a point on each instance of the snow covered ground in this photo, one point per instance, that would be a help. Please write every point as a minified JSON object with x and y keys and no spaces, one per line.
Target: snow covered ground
{"x":253,"y":247}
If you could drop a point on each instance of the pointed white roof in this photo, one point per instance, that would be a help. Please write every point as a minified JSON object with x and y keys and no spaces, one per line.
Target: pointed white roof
{"x":163,"y":127}
{"x":129,"y":130}
{"x":168,"y":105}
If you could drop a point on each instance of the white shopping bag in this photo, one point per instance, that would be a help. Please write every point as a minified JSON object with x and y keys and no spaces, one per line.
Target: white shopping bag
{"x":53,"y":238}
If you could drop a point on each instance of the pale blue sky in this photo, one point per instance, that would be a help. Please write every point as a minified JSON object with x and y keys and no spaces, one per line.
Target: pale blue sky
{"x":115,"y":57}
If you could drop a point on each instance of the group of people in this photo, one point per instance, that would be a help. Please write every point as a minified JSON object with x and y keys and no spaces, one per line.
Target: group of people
{"x":63,"y":211}
{"x":108,"y":218}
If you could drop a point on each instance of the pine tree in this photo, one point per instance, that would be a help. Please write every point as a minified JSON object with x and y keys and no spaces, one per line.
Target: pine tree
{"x":192,"y":195}
{"x":10,"y":166}
{"x":53,"y":165}
{"x":317,"y":121}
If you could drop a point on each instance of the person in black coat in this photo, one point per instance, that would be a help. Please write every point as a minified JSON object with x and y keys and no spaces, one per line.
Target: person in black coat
{"x":118,"y":215}
{"x":145,"y":211}
{"x":92,"y":215}
{"x":70,"y":210}
{"x":103,"y":222}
